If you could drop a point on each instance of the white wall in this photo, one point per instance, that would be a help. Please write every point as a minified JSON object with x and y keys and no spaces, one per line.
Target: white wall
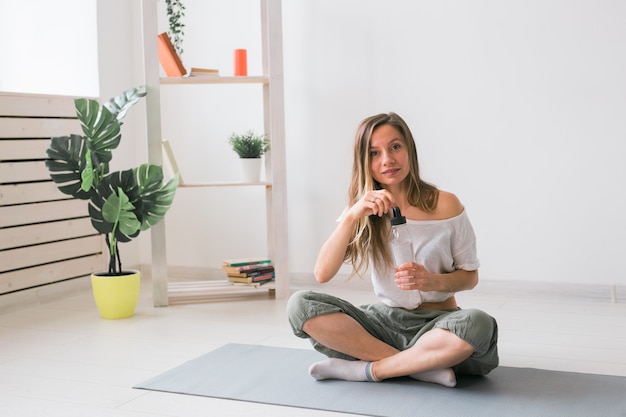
{"x":48,"y":50}
{"x":517,"y":107}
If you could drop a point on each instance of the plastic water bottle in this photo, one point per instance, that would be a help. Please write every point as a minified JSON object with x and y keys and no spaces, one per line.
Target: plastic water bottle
{"x":401,"y":243}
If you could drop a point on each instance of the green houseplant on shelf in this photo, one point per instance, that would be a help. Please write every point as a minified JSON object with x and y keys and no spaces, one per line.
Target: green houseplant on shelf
{"x":121,"y":203}
{"x":250,"y":147}
{"x":175,"y":13}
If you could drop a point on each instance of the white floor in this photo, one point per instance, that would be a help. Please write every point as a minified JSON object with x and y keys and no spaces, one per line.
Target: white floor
{"x":59,"y":358}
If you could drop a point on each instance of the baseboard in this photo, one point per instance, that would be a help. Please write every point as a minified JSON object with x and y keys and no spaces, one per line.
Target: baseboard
{"x":602,"y":293}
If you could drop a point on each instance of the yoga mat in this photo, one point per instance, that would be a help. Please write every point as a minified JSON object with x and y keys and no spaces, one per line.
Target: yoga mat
{"x":279,"y":376}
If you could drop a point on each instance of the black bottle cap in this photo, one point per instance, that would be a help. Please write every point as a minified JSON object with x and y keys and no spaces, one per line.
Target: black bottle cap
{"x":397,"y":217}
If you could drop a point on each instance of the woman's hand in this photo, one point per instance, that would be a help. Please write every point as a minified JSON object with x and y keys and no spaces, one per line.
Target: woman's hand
{"x":413,"y":276}
{"x":375,"y":202}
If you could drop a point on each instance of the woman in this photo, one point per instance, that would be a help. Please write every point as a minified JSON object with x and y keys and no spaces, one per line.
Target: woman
{"x":427,"y":337}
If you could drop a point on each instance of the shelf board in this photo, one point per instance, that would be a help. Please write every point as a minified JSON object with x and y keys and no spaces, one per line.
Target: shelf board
{"x":216,"y":79}
{"x":224,"y":184}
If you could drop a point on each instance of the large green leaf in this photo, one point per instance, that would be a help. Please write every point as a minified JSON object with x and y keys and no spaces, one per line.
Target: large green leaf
{"x":146,"y":193}
{"x":101,"y":129}
{"x":156,"y":197}
{"x":118,"y":210}
{"x":119,"y":180}
{"x":118,"y":106}
{"x":66,"y":161}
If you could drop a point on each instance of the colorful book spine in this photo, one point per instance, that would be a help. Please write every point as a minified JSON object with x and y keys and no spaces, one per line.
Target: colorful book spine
{"x":250,"y":280}
{"x":245,"y":268}
{"x":251,"y":273}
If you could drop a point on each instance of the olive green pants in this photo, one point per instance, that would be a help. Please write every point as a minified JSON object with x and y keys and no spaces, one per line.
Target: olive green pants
{"x":401,"y":328}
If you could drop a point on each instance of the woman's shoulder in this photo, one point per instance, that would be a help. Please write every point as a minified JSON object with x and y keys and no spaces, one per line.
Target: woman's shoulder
{"x":448,"y":205}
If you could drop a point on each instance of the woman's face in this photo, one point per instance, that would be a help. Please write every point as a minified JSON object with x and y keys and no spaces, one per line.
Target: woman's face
{"x":389,"y":156}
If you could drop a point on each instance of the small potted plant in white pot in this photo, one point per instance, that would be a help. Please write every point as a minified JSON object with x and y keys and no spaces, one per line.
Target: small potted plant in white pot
{"x":250,"y":147}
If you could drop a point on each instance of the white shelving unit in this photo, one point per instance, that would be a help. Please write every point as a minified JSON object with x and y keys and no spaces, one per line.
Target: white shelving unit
{"x":165,"y":292}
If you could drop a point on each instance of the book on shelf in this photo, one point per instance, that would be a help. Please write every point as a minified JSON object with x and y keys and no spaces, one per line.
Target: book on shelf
{"x":251,"y":274}
{"x":246,"y":270}
{"x":245,"y":261}
{"x":203,"y":72}
{"x":169,"y":58}
{"x":173,"y":65}
{"x":250,"y":280}
{"x":255,"y":278}
{"x":252,"y":284}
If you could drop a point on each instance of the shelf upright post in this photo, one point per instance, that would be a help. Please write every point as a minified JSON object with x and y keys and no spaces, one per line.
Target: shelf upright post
{"x":273,"y":116}
{"x":155,"y":156}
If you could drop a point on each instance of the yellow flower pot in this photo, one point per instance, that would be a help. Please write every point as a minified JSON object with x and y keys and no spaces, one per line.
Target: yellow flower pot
{"x":116,"y":296}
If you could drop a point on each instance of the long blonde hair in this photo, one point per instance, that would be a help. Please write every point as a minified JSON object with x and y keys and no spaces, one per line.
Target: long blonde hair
{"x":371,"y":234}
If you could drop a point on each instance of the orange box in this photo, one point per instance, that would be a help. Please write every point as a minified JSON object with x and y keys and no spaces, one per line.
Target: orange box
{"x":241,"y":62}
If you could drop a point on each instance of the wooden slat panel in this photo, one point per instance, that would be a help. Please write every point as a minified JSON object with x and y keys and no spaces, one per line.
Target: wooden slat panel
{"x":30,"y":193}
{"x":40,"y":227}
{"x":49,"y":252}
{"x":42,"y":212}
{"x":37,"y":128}
{"x":45,"y":274}
{"x":19,"y":104}
{"x":15,"y":149}
{"x":23,"y":171}
{"x":13,"y":237}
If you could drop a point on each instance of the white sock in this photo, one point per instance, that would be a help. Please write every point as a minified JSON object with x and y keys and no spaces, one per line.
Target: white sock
{"x":334,"y":368}
{"x":346,"y":370}
{"x":444,"y":376}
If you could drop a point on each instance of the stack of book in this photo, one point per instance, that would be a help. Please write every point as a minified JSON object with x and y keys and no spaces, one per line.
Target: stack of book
{"x":249,"y":271}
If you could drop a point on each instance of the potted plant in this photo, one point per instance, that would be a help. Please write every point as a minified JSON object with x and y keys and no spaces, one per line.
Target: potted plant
{"x":250,"y":147}
{"x":121,"y":203}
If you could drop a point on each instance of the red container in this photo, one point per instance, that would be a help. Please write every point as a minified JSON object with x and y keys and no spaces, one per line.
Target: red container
{"x":241,"y":62}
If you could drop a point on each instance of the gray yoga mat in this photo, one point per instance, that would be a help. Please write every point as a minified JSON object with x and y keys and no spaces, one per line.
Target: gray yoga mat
{"x":279,"y":376}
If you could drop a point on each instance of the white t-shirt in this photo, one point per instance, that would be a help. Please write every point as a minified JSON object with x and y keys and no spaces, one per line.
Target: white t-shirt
{"x":442,"y":246}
